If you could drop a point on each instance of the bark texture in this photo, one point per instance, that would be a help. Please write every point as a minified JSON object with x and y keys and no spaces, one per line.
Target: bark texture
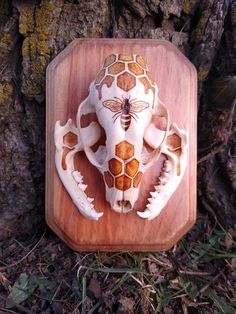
{"x":32,"y":33}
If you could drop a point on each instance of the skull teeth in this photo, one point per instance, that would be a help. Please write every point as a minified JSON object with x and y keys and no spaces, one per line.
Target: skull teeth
{"x":163,"y":180}
{"x":90,"y":199}
{"x":158,"y":188}
{"x":77,"y":176}
{"x":82,"y":186}
{"x":144,"y":214}
{"x":79,"y":179}
{"x":167,"y":176}
{"x":153,"y":194}
{"x":153,"y":200}
{"x":167,"y":166}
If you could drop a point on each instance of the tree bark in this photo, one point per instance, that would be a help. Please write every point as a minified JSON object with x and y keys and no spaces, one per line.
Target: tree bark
{"x":32,"y":33}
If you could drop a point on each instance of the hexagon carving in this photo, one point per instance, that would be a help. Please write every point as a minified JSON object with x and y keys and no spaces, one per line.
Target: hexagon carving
{"x":109,"y":179}
{"x":115,"y":166}
{"x":123,"y":183}
{"x":131,"y":167}
{"x":116,"y":68}
{"x":124,"y":150}
{"x":70,"y":139}
{"x":126,"y":81}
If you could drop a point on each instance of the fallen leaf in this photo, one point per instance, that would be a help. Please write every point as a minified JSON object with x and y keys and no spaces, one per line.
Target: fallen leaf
{"x":126,"y":305}
{"x":21,"y":290}
{"x":94,"y":288}
{"x":5,"y":282}
{"x":168,"y":310}
{"x":153,"y":268}
{"x":232,"y":232}
{"x":228,"y":242}
{"x":233,"y":262}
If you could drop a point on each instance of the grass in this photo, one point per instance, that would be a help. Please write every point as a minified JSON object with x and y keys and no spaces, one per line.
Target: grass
{"x":198,"y":275}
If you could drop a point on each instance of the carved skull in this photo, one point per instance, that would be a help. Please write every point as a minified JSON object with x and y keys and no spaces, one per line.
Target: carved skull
{"x":124,"y":99}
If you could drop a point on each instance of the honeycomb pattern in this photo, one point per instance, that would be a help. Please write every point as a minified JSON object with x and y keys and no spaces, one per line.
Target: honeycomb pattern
{"x":124,"y":150}
{"x":115,"y":166}
{"x":109,"y":179}
{"x":147,"y":84}
{"x":128,"y":69}
{"x":99,"y":76}
{"x":108,"y":80}
{"x":137,"y":179}
{"x":150,"y":77}
{"x":140,"y":61}
{"x":123,"y":170}
{"x":70,"y":139}
{"x":126,"y":81}
{"x":109,"y":60}
{"x":125,"y":57}
{"x":173,"y":141}
{"x":135,"y":68}
{"x":174,"y":145}
{"x":116,"y":68}
{"x":123,"y":183}
{"x":131,"y":167}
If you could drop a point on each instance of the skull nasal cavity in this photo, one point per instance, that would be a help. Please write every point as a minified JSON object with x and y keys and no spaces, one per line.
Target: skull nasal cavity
{"x":125,"y":205}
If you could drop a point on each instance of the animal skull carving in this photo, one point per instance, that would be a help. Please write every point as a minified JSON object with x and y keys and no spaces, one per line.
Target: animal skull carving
{"x":124,"y":98}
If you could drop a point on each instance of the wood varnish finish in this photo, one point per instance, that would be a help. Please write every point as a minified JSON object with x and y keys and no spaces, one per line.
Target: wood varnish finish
{"x":68,"y":79}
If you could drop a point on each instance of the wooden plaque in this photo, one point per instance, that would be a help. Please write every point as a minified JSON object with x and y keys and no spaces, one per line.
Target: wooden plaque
{"x":68,"y":79}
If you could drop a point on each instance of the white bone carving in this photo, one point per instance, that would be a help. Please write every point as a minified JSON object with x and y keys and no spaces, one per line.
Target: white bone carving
{"x":124,"y":98}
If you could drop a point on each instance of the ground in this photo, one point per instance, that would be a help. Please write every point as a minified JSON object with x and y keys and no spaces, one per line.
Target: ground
{"x":40,"y":274}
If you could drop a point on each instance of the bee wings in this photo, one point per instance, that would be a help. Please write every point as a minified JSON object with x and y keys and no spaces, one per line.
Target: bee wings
{"x":138,"y":106}
{"x":113,"y":105}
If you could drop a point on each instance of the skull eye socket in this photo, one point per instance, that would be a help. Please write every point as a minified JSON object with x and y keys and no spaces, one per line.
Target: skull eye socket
{"x":98,"y":149}
{"x":154,"y":136}
{"x":147,"y":151}
{"x":159,"y":122}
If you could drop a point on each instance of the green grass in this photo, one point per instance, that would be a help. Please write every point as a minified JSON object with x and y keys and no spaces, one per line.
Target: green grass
{"x":196,"y":275}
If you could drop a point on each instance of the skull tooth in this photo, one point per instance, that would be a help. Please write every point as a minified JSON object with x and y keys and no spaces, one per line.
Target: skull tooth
{"x":158,"y":188}
{"x":167,"y":167}
{"x":90,"y":200}
{"x":82,"y":186}
{"x":166,"y":175}
{"x":77,"y":176}
{"x":94,"y":215}
{"x":153,"y":194}
{"x":163,"y":180}
{"x":144,"y":214}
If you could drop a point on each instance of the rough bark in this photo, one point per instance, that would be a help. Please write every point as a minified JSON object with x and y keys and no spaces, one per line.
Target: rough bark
{"x":32,"y":33}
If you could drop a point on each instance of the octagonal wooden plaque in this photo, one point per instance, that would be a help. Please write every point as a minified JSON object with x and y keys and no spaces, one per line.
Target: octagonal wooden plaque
{"x":68,"y":79}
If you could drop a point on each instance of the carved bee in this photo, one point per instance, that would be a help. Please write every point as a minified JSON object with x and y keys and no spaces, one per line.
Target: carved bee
{"x":125,"y":109}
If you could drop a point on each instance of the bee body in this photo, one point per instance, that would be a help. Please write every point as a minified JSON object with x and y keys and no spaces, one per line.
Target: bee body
{"x":125,"y":110}
{"x":125,"y":120}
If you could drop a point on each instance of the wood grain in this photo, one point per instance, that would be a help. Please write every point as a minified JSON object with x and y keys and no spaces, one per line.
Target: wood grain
{"x":68,"y":79}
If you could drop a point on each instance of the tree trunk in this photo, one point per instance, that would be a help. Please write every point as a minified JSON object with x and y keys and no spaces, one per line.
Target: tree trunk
{"x":32,"y":33}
